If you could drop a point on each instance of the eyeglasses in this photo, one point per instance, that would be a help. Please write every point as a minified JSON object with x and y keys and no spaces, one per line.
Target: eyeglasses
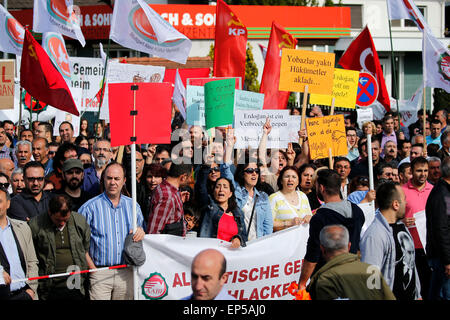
{"x":4,"y":185}
{"x":251,"y":170}
{"x":51,"y":152}
{"x":216,"y":169}
{"x":31,"y":179}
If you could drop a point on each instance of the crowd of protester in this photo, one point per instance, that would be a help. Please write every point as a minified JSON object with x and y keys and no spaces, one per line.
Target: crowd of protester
{"x":66,"y":201}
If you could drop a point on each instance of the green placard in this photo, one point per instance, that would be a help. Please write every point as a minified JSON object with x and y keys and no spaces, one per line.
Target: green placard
{"x":219,"y":103}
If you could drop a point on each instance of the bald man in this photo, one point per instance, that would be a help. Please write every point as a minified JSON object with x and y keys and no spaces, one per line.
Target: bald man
{"x":6,"y":166}
{"x":208,"y":275}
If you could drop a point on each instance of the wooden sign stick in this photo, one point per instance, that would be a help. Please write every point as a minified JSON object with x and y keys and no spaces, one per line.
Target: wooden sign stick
{"x":332,"y":106}
{"x":303,"y":123}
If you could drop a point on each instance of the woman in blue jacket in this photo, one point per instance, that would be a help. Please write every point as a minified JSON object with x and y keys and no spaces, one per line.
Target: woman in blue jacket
{"x":254,"y":203}
{"x":222,"y":218}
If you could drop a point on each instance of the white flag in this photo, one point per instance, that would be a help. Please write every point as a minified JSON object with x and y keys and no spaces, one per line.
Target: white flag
{"x":57,"y":16}
{"x":436,"y":63}
{"x":179,"y":95}
{"x":102,"y":53}
{"x":137,"y":26}
{"x":406,"y":9}
{"x":53,"y":43}
{"x":263,"y":51}
{"x":12,"y":32}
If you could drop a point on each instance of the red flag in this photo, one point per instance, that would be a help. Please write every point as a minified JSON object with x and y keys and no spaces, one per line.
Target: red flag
{"x":279,"y":38}
{"x":40,"y":78}
{"x":362,"y":56}
{"x":230,"y":43}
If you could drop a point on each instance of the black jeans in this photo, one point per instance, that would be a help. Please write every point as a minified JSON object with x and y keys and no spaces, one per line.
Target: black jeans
{"x":20,"y":294}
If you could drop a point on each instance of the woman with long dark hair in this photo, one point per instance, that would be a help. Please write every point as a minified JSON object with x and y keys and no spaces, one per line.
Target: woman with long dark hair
{"x":306,"y":185}
{"x":152,"y":175}
{"x":253,"y":202}
{"x":222,"y":218}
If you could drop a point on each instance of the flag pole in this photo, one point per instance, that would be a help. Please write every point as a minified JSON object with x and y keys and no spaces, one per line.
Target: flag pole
{"x":134,"y":87}
{"x":103,"y":82}
{"x":303,"y":120}
{"x":394,"y":71}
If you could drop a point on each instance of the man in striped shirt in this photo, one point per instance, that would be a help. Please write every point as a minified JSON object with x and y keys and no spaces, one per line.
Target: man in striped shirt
{"x":111,"y":219}
{"x":166,"y":207}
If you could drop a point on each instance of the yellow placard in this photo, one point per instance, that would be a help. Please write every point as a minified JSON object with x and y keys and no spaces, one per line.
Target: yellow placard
{"x":7,"y":84}
{"x":345,"y":88}
{"x":301,"y":67}
{"x":325,"y":133}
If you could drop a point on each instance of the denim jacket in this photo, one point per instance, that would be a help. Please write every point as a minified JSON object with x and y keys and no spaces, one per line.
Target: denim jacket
{"x":263,"y":211}
{"x":210,"y":223}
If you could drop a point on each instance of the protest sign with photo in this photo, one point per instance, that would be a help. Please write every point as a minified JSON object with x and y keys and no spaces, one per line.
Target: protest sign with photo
{"x":248,"y":125}
{"x":345,"y":86}
{"x":311,"y":68}
{"x":325,"y":133}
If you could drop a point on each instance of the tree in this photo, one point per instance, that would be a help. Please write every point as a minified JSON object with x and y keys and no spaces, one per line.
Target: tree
{"x":251,"y":82}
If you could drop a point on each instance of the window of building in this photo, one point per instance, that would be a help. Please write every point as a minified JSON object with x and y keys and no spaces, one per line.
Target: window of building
{"x":407,"y":23}
{"x":355,"y":15}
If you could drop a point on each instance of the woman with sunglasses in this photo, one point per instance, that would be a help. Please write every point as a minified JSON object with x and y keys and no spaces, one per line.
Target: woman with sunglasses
{"x":290,"y":206}
{"x":222,"y":218}
{"x":253,"y":202}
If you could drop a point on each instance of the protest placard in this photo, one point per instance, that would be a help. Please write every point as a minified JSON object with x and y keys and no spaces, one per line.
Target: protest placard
{"x":129,"y":73}
{"x":302,"y":67}
{"x":202,"y":81}
{"x":152,"y":120}
{"x":195,"y":105}
{"x":7,"y":84}
{"x":87,"y":74}
{"x":249,"y":124}
{"x":294,"y":128}
{"x":248,"y":100}
{"x":219,"y":103}
{"x":325,"y":133}
{"x":364,"y":115}
{"x":345,"y":86}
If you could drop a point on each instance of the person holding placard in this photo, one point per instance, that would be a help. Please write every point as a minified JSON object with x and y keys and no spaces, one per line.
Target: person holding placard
{"x":290,"y":206}
{"x":417,"y":191}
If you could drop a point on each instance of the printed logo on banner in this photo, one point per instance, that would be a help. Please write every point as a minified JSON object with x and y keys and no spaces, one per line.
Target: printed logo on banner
{"x":58,"y":9}
{"x":444,"y":66}
{"x":367,"y":90}
{"x":60,"y":55}
{"x":139,"y":23}
{"x":15,"y":31}
{"x":155,"y":287}
{"x":234,"y":21}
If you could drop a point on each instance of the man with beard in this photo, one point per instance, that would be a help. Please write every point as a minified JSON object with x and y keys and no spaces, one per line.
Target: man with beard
{"x":333,"y":211}
{"x":102,"y":153}
{"x":386,"y":241}
{"x":33,"y":200}
{"x":417,"y":191}
{"x":73,"y":174}
{"x":390,"y":153}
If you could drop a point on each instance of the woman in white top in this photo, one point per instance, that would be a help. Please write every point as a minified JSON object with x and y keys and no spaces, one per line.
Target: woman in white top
{"x":290,"y":206}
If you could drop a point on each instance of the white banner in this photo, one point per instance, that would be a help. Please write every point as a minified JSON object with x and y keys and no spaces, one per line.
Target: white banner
{"x":142,"y":29}
{"x":87,"y":74}
{"x":249,"y":125}
{"x":127,"y":73}
{"x":259,"y":271}
{"x":57,"y":16}
{"x":12,"y":33}
{"x":62,"y":116}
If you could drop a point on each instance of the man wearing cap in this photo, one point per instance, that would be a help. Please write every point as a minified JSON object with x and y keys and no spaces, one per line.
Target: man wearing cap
{"x":73,"y":175}
{"x":61,"y":239}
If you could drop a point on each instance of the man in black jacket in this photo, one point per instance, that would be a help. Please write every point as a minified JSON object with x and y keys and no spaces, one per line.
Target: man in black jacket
{"x":438,"y":235}
{"x":33,"y":200}
{"x":334,"y":211}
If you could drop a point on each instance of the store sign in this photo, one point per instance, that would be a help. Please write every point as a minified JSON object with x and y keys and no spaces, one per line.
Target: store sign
{"x":198,"y":21}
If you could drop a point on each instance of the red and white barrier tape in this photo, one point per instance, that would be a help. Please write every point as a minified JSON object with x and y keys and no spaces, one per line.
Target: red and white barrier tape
{"x":69,"y":273}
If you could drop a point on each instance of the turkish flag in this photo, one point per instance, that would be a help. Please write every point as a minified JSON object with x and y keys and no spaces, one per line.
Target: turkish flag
{"x":279,"y":38}
{"x":230,"y":43}
{"x":40,"y":78}
{"x":362,"y":56}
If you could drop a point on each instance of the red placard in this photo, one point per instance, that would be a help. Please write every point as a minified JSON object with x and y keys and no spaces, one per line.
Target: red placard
{"x":185,"y":73}
{"x":201,"y":81}
{"x":153,"y":118}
